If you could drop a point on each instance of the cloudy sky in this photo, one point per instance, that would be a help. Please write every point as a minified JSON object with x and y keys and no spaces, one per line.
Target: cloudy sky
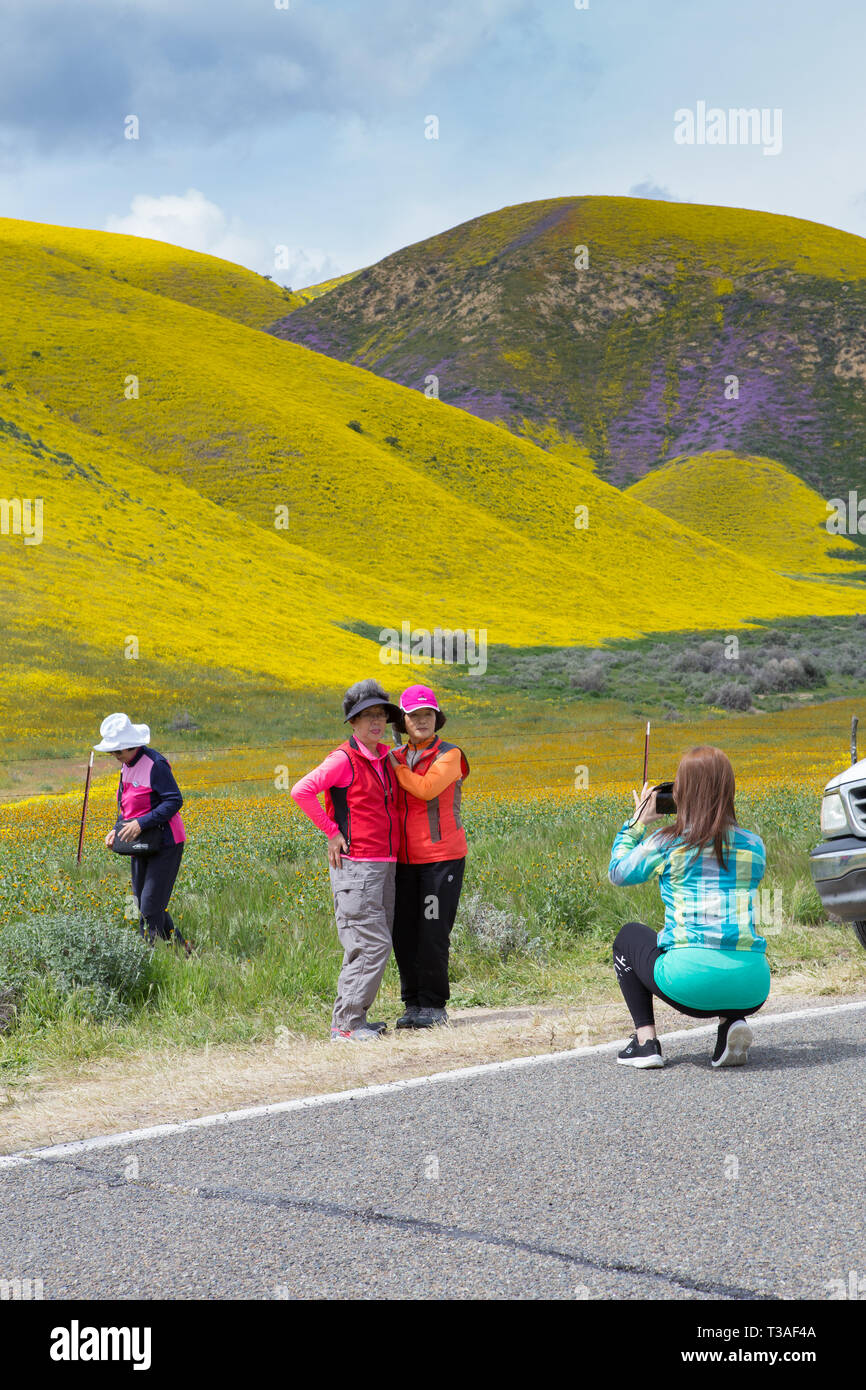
{"x":305,"y":123}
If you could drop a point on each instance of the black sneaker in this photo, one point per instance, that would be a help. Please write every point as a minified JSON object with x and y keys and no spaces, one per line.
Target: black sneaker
{"x":408,"y":1019}
{"x":648,"y":1054}
{"x":733,"y":1041}
{"x":430,"y":1018}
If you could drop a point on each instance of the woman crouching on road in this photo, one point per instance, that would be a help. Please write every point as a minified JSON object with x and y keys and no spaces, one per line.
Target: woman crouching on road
{"x":360,"y":823}
{"x":148,"y":804}
{"x":708,"y":960}
{"x":432,"y":857}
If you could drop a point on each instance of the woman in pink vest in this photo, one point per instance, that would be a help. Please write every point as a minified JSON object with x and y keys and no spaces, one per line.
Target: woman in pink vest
{"x":148,"y":798}
{"x":432,"y":857}
{"x":360,"y":823}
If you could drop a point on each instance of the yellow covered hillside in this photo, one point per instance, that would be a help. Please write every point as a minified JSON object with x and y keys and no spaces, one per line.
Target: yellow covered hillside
{"x":751,"y":504}
{"x":165,"y":440}
{"x":207,"y":282}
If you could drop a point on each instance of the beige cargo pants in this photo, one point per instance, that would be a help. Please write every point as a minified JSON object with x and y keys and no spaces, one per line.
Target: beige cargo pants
{"x":363,"y":893}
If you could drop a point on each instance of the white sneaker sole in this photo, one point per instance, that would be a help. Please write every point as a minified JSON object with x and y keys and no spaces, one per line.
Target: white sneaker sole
{"x":736,"y":1052}
{"x":642,"y":1062}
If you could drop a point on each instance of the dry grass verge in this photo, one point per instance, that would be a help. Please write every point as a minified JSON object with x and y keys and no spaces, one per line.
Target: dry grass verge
{"x":128,"y":1093}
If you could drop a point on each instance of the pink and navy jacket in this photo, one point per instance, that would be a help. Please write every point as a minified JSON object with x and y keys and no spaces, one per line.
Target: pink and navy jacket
{"x":360,"y":800}
{"x":148,"y":793}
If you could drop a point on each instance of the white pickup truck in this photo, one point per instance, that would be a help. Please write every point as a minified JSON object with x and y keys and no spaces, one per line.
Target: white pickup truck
{"x":839,"y":863}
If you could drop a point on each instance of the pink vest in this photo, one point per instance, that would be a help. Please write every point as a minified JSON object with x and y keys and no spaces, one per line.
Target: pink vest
{"x":366,"y":810}
{"x":136,"y":797}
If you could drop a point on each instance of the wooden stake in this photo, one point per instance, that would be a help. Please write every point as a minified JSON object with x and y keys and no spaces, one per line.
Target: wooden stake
{"x":84,"y":809}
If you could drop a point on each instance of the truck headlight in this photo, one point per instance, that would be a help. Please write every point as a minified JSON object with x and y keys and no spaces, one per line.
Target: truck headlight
{"x":833,"y":814}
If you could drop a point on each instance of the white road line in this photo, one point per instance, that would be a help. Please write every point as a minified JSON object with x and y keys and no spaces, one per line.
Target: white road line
{"x":109,"y":1141}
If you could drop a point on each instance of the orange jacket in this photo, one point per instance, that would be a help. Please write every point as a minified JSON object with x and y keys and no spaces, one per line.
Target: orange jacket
{"x":431,"y":778}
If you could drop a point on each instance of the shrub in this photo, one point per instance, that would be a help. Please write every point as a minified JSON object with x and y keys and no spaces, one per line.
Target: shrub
{"x":100,"y":966}
{"x":731,"y":695}
{"x":183,"y":723}
{"x":691,"y":660}
{"x":590,"y":679}
{"x":812,"y":672}
{"x":355,"y":425}
{"x":493,"y":929}
{"x":788,"y":674}
{"x":8,"y":1007}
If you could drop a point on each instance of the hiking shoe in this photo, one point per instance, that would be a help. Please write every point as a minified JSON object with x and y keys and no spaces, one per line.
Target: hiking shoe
{"x":377,"y":1027}
{"x":409,"y":1018}
{"x":430,"y":1018}
{"x":733,"y":1041}
{"x":648,"y":1054}
{"x":354,"y":1034}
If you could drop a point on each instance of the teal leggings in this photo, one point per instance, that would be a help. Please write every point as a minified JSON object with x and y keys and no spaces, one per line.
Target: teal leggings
{"x":635,"y":952}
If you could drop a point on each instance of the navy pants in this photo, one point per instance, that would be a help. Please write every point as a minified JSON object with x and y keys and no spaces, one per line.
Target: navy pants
{"x":153,"y":877}
{"x":635,"y":953}
{"x":424,"y":910}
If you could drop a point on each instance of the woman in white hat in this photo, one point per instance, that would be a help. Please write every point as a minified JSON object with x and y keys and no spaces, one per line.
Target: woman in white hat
{"x":148,"y":800}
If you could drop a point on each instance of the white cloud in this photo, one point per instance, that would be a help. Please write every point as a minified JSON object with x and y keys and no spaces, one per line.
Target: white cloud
{"x":192,"y":221}
{"x":196,"y":223}
{"x":648,"y":189}
{"x":310,"y":267}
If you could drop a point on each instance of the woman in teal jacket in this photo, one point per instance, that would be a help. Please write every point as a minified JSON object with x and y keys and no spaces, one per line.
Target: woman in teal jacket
{"x":708,"y":960}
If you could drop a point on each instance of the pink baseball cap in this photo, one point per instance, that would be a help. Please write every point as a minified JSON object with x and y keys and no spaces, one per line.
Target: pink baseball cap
{"x":421,"y":697}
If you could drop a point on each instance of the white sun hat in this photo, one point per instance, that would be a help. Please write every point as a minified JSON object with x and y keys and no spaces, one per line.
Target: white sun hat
{"x":118,"y":732}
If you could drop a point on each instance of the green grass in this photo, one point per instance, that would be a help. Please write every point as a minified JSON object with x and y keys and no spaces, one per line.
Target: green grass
{"x":255,"y":900}
{"x":684,"y":671}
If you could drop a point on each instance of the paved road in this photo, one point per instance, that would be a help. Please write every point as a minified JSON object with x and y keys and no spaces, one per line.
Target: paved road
{"x":572,"y":1178}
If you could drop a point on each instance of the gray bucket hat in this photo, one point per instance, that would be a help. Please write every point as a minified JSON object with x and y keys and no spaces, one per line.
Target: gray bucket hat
{"x":364,"y":695}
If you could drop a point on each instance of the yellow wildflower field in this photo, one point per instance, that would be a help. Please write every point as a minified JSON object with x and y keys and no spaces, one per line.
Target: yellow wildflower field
{"x":241,"y":499}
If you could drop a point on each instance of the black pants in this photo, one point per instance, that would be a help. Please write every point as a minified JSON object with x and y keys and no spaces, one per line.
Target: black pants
{"x":425,"y":906}
{"x":635,"y":953}
{"x":153,"y":877}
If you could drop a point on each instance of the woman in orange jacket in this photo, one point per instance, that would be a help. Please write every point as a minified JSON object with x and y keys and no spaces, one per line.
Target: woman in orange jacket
{"x":431,"y":857}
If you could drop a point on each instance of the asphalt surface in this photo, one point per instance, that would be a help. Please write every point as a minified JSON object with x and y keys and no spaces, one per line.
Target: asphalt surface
{"x":575,"y":1178}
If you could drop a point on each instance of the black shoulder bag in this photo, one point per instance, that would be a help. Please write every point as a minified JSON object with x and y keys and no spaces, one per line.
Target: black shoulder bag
{"x":148,"y":842}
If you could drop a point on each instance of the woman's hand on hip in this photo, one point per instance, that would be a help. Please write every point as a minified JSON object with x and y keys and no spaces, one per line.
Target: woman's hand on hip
{"x":336,"y":847}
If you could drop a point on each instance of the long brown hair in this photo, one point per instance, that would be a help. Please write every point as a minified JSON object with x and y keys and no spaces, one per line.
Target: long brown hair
{"x":704,"y":796}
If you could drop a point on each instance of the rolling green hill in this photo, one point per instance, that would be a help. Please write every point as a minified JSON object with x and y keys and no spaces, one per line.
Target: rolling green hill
{"x":627,"y":359}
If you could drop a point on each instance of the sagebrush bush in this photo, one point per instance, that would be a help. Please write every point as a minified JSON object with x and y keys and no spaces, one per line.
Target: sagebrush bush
{"x":591,"y":680}
{"x":102,"y":967}
{"x":493,"y":929}
{"x":731,"y":695}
